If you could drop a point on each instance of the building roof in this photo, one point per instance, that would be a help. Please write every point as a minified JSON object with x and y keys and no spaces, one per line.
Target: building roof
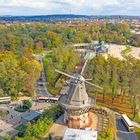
{"x":78,"y":134}
{"x":90,"y":54}
{"x":77,"y":92}
{"x":31,"y":116}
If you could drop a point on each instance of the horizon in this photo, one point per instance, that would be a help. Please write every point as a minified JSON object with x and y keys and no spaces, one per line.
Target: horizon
{"x":66,"y":15}
{"x":77,"y":7}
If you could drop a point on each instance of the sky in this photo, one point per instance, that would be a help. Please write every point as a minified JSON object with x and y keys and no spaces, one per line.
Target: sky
{"x":80,"y":7}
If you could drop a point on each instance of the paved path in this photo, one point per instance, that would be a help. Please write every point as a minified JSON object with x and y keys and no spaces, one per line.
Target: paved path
{"x":134,"y":123}
{"x":124,"y":134}
{"x":58,"y":129}
{"x":41,"y":87}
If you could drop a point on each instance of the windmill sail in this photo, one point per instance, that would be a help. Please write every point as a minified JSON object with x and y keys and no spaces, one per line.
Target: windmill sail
{"x":80,"y":78}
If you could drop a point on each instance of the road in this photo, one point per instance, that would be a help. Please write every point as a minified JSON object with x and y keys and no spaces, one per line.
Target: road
{"x":124,"y":134}
{"x":41,"y":86}
{"x":134,"y":123}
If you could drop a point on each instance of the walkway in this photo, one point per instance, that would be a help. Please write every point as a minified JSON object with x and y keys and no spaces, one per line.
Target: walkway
{"x":124,"y":134}
{"x":58,"y":129}
{"x":41,"y":87}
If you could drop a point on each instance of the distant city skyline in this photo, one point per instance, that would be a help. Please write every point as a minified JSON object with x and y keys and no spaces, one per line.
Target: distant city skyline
{"x":80,"y":7}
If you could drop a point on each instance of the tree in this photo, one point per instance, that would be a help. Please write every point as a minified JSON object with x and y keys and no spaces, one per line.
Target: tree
{"x":27,"y":103}
{"x":135,"y":91}
{"x":62,"y":58}
{"x":15,"y":72}
{"x":38,"y":46}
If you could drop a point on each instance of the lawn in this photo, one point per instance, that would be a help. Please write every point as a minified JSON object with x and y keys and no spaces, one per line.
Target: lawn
{"x":137,"y":118}
{"x":126,"y":51}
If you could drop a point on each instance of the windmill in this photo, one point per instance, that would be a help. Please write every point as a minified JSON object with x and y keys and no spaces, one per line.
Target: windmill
{"x":76,"y":102}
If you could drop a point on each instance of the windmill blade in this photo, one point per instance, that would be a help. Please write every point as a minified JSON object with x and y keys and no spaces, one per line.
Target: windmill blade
{"x":66,"y":74}
{"x":77,"y":78}
{"x":93,"y":85}
{"x":85,"y":64}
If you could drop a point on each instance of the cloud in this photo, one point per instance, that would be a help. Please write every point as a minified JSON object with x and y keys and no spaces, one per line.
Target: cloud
{"x":22,"y":3}
{"x":33,"y":7}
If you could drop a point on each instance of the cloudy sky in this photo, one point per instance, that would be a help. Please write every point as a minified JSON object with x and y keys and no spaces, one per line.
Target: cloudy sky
{"x":85,"y":7}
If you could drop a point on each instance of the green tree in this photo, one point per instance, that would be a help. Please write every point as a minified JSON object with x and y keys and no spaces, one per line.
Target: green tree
{"x":27,"y":103}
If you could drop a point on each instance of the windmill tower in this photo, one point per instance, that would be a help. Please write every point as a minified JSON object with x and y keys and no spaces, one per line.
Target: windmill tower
{"x":76,"y":102}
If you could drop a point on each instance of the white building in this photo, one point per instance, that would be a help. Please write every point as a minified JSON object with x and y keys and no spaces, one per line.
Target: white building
{"x":78,"y":134}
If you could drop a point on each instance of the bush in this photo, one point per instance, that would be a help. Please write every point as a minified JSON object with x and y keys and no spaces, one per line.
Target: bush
{"x":27,"y":103}
{"x":21,"y":109}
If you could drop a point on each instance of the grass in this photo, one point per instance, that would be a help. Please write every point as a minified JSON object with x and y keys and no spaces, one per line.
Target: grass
{"x":49,"y":55}
{"x":137,"y":131}
{"x":137,"y":118}
{"x":126,"y":51}
{"x":124,"y":107}
{"x":53,"y":91}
